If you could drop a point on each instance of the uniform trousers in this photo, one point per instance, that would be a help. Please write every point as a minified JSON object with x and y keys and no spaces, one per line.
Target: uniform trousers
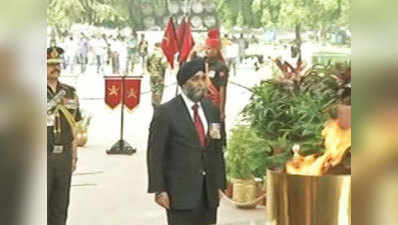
{"x":59,"y":174}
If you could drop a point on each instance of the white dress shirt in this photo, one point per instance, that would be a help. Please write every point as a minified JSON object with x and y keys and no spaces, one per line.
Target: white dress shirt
{"x":189,"y":104}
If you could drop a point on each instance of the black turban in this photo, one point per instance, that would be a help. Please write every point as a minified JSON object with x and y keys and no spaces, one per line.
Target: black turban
{"x":189,"y":69}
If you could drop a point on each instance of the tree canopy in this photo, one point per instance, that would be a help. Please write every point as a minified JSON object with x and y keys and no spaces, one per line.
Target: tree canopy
{"x":315,"y":14}
{"x":286,"y":14}
{"x":111,"y":13}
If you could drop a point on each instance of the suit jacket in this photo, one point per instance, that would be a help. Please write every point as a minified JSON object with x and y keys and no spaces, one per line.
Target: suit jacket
{"x":176,"y":160}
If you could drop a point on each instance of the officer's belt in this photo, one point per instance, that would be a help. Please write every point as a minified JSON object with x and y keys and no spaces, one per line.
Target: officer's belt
{"x":59,"y":149}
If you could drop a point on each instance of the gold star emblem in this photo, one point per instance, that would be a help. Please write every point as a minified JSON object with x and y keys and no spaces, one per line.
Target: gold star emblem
{"x":54,"y":53}
{"x":131,"y":93}
{"x":113,"y":91}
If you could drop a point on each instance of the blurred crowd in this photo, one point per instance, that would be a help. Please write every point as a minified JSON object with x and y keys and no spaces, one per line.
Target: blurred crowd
{"x":119,"y":53}
{"x":110,"y":54}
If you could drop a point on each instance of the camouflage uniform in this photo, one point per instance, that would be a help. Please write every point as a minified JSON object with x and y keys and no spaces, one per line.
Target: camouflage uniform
{"x":156,"y":66}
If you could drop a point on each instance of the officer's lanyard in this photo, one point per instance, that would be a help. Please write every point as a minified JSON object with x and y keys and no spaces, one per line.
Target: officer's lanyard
{"x":69,"y":116}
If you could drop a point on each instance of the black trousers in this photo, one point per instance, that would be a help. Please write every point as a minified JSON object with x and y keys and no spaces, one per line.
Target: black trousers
{"x":201,"y":215}
{"x":59,"y":174}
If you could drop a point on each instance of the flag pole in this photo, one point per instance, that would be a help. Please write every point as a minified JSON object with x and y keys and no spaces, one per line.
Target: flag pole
{"x":122,"y":146}
{"x":179,"y":50}
{"x":176,"y":89}
{"x":122,"y":114}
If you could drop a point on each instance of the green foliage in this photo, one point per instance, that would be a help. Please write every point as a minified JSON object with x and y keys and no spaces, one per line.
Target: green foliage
{"x":316,"y":14}
{"x":285,"y":112}
{"x":63,"y":13}
{"x":267,"y":10}
{"x":237,"y":12}
{"x":337,"y":80}
{"x":246,"y":153}
{"x":111,"y":13}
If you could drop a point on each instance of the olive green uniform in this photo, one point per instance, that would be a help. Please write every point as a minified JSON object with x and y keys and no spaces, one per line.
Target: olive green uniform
{"x":217,"y":78}
{"x":59,"y":157}
{"x":218,"y":74}
{"x":156,"y":66}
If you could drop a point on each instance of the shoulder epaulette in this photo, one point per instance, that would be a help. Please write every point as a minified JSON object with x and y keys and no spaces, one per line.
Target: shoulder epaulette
{"x":68,"y":87}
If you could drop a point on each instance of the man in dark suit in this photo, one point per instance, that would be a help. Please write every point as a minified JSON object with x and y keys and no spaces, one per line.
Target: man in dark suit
{"x":186,"y":165}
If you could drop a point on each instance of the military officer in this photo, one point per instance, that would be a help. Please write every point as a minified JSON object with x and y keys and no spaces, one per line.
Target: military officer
{"x":217,"y":73}
{"x":156,"y":66}
{"x":62,"y":113}
{"x":143,"y":50}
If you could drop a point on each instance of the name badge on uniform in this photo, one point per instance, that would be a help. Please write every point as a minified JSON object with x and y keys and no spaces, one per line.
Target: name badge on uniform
{"x":50,"y":120}
{"x":215,"y":130}
{"x":58,"y":149}
{"x":212,"y":73}
{"x":71,"y":103}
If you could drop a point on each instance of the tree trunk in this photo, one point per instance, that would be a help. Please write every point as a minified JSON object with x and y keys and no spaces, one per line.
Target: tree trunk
{"x":324,"y":33}
{"x":298,"y":38}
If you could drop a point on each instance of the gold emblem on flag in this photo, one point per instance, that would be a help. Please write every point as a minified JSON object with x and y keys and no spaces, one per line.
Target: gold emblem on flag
{"x":113,"y":91}
{"x":131,"y":93}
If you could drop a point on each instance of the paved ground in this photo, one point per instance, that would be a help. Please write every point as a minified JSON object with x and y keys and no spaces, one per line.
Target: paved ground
{"x":111,"y":190}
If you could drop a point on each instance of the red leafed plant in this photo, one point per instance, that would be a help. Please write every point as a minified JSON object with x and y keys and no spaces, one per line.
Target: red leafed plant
{"x":294,"y":75}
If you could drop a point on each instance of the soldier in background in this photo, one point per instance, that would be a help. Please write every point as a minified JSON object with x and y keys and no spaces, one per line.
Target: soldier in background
{"x":143,"y":50}
{"x":217,"y":74}
{"x":132,"y":53}
{"x":83,"y":45}
{"x":63,"y":111}
{"x":156,"y":66}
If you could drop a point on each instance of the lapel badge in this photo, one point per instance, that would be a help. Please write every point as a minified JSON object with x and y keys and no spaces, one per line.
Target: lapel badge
{"x":212,"y":73}
{"x":50,"y":120}
{"x":71,"y":103}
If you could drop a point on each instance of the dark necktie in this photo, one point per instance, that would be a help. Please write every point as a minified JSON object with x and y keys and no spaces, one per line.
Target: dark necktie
{"x":199,"y":125}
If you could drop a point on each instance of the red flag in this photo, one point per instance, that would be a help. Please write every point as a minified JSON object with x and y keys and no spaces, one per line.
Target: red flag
{"x":113,"y":90}
{"x":132,"y":93}
{"x":187,"y":42}
{"x":169,"y":43}
{"x":180,"y":33}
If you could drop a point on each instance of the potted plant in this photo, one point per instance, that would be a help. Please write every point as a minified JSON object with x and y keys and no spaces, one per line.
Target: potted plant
{"x":292,"y":109}
{"x":243,"y":148}
{"x":230,"y":187}
{"x":289,"y":113}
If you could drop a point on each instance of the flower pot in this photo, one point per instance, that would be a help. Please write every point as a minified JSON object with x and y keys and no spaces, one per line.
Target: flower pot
{"x":229,"y":190}
{"x":81,"y":138}
{"x":344,"y":116}
{"x":244,"y":193}
{"x":262,"y":190}
{"x":304,"y":200}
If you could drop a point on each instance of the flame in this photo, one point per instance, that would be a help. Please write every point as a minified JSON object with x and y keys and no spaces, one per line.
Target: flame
{"x":337,"y":143}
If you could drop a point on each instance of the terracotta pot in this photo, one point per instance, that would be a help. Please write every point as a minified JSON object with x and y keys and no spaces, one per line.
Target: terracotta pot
{"x":262,"y":191}
{"x":263,"y":200}
{"x":81,"y":138}
{"x":244,"y":193}
{"x":229,"y":190}
{"x":344,"y":116}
